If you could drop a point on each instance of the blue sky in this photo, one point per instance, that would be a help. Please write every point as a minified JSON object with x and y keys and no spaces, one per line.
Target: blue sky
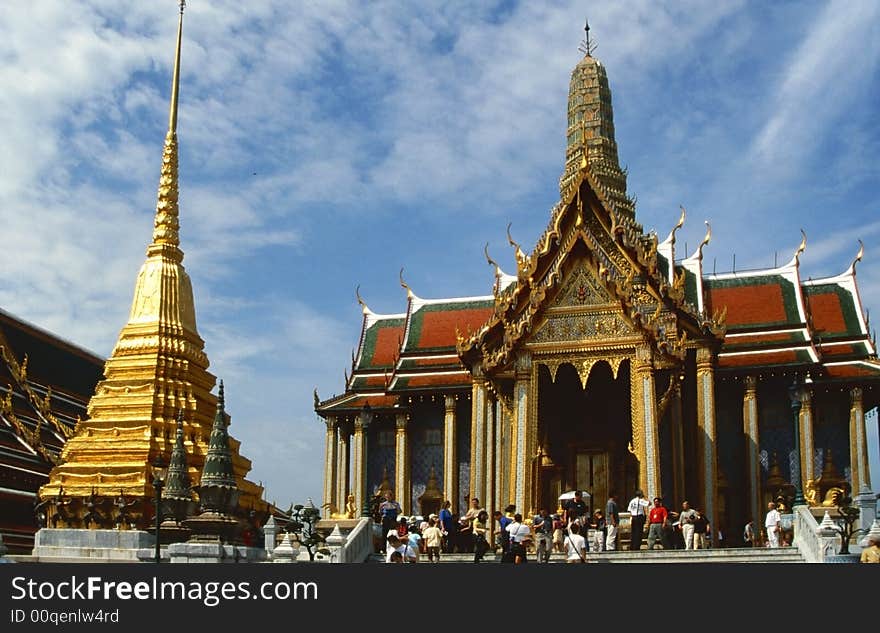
{"x":327,"y":145}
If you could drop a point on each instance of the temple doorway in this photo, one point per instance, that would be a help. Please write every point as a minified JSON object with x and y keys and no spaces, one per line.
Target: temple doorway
{"x":584,"y":434}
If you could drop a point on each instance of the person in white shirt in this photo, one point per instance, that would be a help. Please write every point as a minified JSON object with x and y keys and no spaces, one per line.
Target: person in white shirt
{"x":575,"y":545}
{"x":772,"y":523}
{"x":638,"y":510}
{"x":518,"y":532}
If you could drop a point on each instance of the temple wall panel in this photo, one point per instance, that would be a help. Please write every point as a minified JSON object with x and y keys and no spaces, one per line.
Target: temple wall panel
{"x":380,"y":453}
{"x":732,"y":459}
{"x":776,"y":426}
{"x":667,"y":465}
{"x":831,"y":431}
{"x":426,"y":446}
{"x":463,"y":436}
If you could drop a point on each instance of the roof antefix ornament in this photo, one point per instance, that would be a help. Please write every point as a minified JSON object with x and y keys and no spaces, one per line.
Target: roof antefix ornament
{"x":409,"y":293}
{"x":360,"y":300}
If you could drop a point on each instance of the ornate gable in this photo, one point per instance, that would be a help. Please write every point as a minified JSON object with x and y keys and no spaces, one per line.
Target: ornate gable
{"x":582,"y":289}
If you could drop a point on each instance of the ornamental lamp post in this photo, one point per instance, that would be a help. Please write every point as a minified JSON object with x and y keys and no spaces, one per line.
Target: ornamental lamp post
{"x":159,"y":470}
{"x":795,"y":394}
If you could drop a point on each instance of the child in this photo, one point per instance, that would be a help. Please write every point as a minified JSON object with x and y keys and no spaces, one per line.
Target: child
{"x":558,"y":534}
{"x":600,"y":531}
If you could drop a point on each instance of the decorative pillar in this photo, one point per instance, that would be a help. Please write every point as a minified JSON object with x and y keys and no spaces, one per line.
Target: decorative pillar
{"x":645,"y":434}
{"x":505,"y":465}
{"x":450,"y":457}
{"x":858,"y":443}
{"x":521,"y":448}
{"x":402,"y":490}
{"x":753,"y":458}
{"x":706,"y":443}
{"x":478,"y":434}
{"x":330,"y":468}
{"x":500,"y":444}
{"x":805,"y":420}
{"x":342,"y":458}
{"x":678,"y":492}
{"x":488,"y":497}
{"x":361,"y":424}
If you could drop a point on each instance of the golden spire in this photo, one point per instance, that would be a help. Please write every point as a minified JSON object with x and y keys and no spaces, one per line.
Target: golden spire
{"x":167,"y":225}
{"x":157,"y":368}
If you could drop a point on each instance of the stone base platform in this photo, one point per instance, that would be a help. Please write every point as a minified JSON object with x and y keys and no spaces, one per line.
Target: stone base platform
{"x":210,"y":552}
{"x":94,"y":545}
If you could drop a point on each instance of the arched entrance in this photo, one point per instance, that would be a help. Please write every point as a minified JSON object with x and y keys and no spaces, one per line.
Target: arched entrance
{"x":585,"y":434}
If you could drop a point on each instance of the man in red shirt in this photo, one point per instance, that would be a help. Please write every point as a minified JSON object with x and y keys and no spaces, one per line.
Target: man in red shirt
{"x":658,"y":517}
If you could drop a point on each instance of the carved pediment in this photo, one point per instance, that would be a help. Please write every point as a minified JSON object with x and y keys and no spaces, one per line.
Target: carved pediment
{"x":582,"y":288}
{"x":604,"y":325}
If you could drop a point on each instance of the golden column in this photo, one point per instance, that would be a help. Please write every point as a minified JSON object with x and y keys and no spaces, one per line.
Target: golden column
{"x":342,"y":456}
{"x":858,"y":443}
{"x":706,"y":441}
{"x":331,"y":446}
{"x":488,"y":497}
{"x":522,"y":443}
{"x":753,"y":461}
{"x":361,"y":424}
{"x":450,"y":450}
{"x":500,"y":444}
{"x":645,"y":434}
{"x":401,"y":463}
{"x":478,"y":434}
{"x":805,"y":424}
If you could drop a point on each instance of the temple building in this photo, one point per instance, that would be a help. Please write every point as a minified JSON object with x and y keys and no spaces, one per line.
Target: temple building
{"x":608,"y":362}
{"x":157,"y":370}
{"x":45,"y":385}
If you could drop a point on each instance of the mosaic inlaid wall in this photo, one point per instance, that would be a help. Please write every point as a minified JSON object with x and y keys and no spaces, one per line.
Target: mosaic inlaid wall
{"x":831,"y":431}
{"x":775,"y":428}
{"x":463,"y":448}
{"x":380,"y":453}
{"x":426,"y":447}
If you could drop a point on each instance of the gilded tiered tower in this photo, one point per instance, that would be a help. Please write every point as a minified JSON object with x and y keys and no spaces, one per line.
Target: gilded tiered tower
{"x":590,"y":135}
{"x":157,"y":367}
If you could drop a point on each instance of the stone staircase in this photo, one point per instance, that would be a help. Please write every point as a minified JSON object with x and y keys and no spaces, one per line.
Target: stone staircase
{"x":731,"y":555}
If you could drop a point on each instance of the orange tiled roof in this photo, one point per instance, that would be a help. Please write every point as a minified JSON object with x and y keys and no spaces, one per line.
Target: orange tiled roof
{"x":432,"y":325}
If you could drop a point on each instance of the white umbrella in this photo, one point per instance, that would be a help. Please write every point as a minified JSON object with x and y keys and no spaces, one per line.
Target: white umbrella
{"x":570,"y":495}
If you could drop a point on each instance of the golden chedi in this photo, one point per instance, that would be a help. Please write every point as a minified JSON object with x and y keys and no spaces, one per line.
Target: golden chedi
{"x":157,"y":367}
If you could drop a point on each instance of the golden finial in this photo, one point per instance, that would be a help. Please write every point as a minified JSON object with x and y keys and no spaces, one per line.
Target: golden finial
{"x":858,"y":257}
{"x":706,"y":239}
{"x":491,"y":261}
{"x":680,"y":224}
{"x":520,"y":256}
{"x":409,"y":292}
{"x":587,"y":47}
{"x":166,"y":224}
{"x":175,"y":81}
{"x":802,"y":247}
{"x":357,"y":292}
